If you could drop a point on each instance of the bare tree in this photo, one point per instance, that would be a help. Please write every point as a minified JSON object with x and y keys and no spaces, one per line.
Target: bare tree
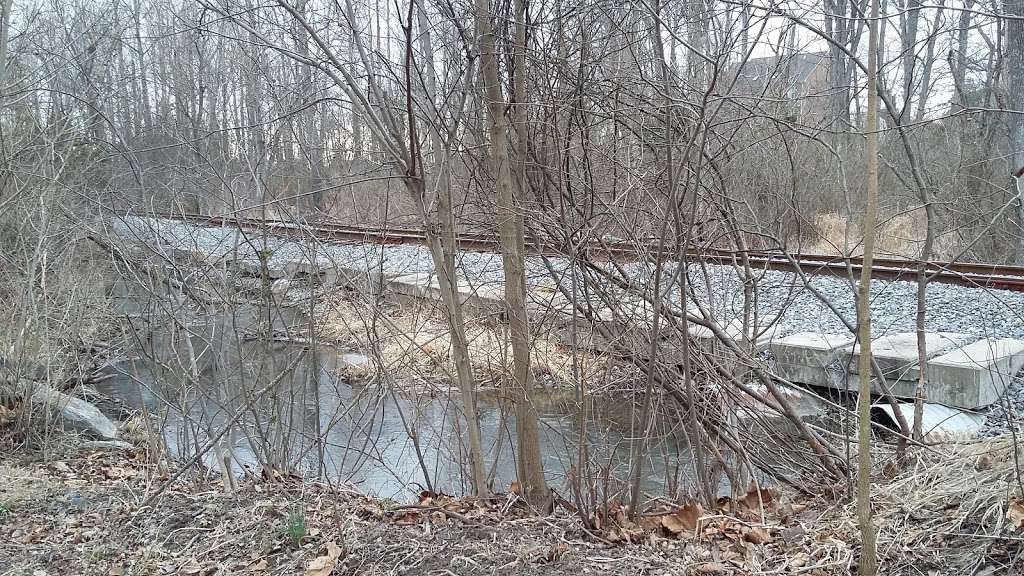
{"x":510,"y":225}
{"x":1015,"y":89}
{"x":868,"y":557}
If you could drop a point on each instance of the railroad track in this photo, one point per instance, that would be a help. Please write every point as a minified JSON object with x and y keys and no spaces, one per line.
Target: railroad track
{"x":962,"y":273}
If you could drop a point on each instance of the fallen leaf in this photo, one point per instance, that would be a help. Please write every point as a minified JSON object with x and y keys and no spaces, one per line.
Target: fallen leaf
{"x":794,"y":535}
{"x":757,"y":536}
{"x":683,"y":519}
{"x":324,"y":565}
{"x":799,"y":560}
{"x":1015,"y":514}
{"x":891,"y":470}
{"x":619,"y":515}
{"x":755,"y":497}
{"x":408,"y":518}
{"x":116,"y":472}
{"x":61,"y":467}
{"x":650,"y":523}
{"x":556,"y":552}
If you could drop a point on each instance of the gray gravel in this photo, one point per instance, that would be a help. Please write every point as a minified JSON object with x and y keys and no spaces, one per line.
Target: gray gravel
{"x":1008,"y":411}
{"x":951,"y":308}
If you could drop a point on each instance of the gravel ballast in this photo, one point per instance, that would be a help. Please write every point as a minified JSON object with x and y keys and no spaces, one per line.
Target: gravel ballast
{"x":950,"y":308}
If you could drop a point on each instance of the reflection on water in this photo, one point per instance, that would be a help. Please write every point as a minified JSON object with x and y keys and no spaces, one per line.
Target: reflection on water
{"x":295,"y":413}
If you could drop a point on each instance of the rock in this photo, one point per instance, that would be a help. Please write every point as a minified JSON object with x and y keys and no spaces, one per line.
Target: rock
{"x":355,"y":366}
{"x":73,"y":413}
{"x":280,"y":286}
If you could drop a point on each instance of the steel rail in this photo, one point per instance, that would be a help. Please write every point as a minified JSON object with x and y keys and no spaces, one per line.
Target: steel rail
{"x":962,"y":273}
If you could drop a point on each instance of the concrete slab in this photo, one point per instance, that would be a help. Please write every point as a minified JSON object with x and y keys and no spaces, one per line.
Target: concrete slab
{"x":482,"y":299}
{"x":971,"y":377}
{"x":554,"y":316}
{"x":245,"y":267}
{"x":699,"y":332}
{"x":804,"y":403}
{"x":417,"y":285}
{"x":370,"y":282}
{"x":330,"y":275}
{"x":759,"y":335}
{"x":938,"y":423}
{"x":974,"y":375}
{"x":899,"y":388}
{"x":804,"y":357}
{"x":896,"y":354}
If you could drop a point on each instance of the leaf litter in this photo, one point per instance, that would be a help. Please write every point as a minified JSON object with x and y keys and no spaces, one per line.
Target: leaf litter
{"x":78,"y":514}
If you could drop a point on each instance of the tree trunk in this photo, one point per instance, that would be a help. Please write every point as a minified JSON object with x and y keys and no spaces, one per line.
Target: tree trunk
{"x":443,"y":247}
{"x":5,"y":32}
{"x":922,"y":307}
{"x":927,"y":248}
{"x":529,"y":462}
{"x":837,"y":26}
{"x":511,"y":230}
{"x":868,"y":563}
{"x":910,"y":19}
{"x":1014,"y":55}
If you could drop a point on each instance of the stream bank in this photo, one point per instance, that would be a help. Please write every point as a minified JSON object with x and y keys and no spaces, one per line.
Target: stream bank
{"x":76,"y":511}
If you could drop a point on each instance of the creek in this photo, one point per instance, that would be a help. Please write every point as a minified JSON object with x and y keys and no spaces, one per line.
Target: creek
{"x":296,"y":412}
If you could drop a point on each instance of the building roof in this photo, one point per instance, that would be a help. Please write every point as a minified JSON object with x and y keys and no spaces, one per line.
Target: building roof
{"x":794,"y":69}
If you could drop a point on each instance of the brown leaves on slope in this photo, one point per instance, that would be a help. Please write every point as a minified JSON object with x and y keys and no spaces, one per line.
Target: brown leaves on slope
{"x":732,"y":526}
{"x":435,"y":507}
{"x":324,"y":565}
{"x":682,"y":520}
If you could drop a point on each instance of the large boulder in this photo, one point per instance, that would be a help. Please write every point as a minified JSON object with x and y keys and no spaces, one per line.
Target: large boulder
{"x":72,"y":413}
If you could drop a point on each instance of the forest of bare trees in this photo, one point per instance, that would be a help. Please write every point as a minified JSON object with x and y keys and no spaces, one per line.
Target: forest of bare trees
{"x":571,"y":133}
{"x":314,"y":109}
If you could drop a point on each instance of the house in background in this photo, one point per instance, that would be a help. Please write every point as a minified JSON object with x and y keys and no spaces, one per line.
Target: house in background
{"x":794,"y":87}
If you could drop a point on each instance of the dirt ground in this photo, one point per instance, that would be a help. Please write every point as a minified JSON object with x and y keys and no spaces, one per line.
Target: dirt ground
{"x":79,"y":510}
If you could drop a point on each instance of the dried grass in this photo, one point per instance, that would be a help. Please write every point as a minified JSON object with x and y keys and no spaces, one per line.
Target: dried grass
{"x":948,"y":511}
{"x":898,"y":236}
{"x":413,"y":343}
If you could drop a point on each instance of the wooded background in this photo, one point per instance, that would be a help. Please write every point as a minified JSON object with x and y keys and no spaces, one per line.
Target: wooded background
{"x":308,"y":109}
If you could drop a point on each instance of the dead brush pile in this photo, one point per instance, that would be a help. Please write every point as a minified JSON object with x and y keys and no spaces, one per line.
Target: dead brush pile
{"x":414,"y":344}
{"x":958,"y":511}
